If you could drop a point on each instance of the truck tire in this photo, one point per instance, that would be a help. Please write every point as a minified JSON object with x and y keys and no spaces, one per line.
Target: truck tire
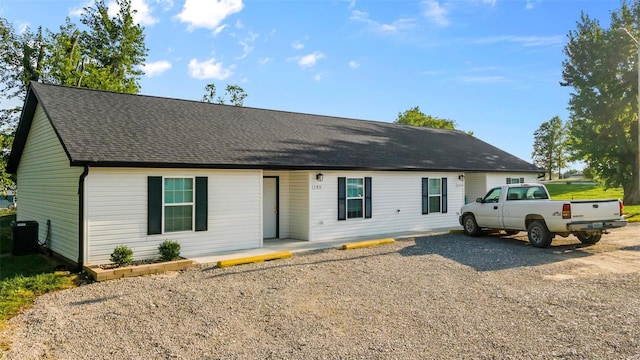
{"x":587,"y":238}
{"x":539,"y":235}
{"x":470,"y":225}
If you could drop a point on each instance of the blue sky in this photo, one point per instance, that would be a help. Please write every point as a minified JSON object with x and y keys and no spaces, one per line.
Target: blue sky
{"x":493,"y":66}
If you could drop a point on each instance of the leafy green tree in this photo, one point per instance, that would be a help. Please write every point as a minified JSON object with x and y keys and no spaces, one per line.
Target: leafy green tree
{"x":114,"y":48}
{"x":415,"y":117}
{"x":21,"y":60}
{"x":106,"y":55}
{"x":601,"y":67}
{"x":234,"y":94}
{"x":549,"y":146}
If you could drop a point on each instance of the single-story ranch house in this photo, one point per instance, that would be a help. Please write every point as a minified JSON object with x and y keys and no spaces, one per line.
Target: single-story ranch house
{"x":108,"y":169}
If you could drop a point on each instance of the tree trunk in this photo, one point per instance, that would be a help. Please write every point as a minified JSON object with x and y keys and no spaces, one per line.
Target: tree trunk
{"x":632,"y":192}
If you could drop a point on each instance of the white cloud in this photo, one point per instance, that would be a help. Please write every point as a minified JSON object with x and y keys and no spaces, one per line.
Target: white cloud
{"x":263,"y":61}
{"x":354,"y":64}
{"x":246,"y":44}
{"x":142,"y":14}
{"x":208,"y":14}
{"x":219,"y":29}
{"x":156,"y":68}
{"x":297,"y":45}
{"x":435,"y":12}
{"x":310,"y":59}
{"x":239,"y":24}
{"x":483,"y":79}
{"x":166,"y":4}
{"x":527,"y":41}
{"x":22,"y":26}
{"x":208,"y":69}
{"x":77,"y":12}
{"x":320,"y":76}
{"x":397,"y":25}
{"x":531,"y":4}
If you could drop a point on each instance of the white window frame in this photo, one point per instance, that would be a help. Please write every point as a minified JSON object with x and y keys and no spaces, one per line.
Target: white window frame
{"x":347,"y":197}
{"x":439,"y":195}
{"x":192,"y":203}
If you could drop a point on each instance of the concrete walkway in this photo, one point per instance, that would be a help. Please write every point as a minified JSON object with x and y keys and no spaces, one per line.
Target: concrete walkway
{"x":277,"y":245}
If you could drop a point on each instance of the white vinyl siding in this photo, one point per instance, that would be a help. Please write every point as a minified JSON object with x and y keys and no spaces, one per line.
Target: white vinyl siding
{"x":234,"y":212}
{"x":477,"y":184}
{"x":396,"y":201}
{"x":498,"y":179}
{"x":299,"y":183}
{"x":48,"y":188}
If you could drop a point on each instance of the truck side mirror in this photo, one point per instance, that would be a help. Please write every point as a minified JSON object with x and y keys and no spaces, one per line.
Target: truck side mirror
{"x":478,"y":200}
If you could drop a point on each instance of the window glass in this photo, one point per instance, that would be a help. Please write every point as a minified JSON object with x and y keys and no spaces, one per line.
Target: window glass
{"x":355,"y":187}
{"x":178,"y":204}
{"x":493,"y":195}
{"x":435,"y":194}
{"x":355,"y":198}
{"x":354,"y":208}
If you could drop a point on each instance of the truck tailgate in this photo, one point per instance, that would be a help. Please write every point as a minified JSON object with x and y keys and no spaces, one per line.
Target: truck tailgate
{"x":595,"y":210}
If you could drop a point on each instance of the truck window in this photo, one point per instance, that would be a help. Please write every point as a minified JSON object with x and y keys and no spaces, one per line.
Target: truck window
{"x":515,"y":194}
{"x":492,"y":196}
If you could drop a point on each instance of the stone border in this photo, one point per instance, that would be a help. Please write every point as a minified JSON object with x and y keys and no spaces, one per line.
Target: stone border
{"x":99,"y":274}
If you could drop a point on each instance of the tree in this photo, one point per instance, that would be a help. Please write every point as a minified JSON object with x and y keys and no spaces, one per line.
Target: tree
{"x":601,"y":68}
{"x":234,"y":93}
{"x":113,"y":49}
{"x":106,"y":56}
{"x":415,"y":117}
{"x":21,"y":60}
{"x":549,"y":146}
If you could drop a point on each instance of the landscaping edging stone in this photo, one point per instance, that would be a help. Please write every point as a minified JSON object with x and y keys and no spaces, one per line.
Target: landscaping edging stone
{"x":99,"y":274}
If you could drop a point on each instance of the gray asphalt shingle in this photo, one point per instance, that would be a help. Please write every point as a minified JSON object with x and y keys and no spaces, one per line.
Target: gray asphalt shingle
{"x":100,"y":128}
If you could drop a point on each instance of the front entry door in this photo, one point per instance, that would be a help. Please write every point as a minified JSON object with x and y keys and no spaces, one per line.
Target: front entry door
{"x":270,"y":207}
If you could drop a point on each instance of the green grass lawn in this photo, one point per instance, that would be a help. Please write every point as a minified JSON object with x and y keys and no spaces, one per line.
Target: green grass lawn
{"x":562,"y":191}
{"x":22,"y":278}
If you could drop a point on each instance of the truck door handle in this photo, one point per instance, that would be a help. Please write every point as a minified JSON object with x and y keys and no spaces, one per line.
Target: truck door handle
{"x":495,"y":207}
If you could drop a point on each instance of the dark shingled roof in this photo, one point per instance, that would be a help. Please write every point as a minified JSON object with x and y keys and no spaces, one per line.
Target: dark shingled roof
{"x":99,"y":128}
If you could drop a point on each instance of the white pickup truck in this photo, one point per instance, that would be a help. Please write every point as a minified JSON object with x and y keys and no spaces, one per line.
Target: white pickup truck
{"x":527,"y":207}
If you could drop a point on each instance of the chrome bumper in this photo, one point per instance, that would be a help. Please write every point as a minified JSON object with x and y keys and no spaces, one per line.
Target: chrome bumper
{"x":596,"y":225}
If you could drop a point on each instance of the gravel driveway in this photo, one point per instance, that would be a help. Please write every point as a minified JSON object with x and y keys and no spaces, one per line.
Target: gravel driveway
{"x":442,"y":296}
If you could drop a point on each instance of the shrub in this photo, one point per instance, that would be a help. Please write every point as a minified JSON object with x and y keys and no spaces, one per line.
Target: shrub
{"x":122,"y":255}
{"x":169,"y":250}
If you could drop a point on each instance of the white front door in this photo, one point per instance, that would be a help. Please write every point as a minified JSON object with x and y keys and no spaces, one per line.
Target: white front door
{"x":270,"y":207}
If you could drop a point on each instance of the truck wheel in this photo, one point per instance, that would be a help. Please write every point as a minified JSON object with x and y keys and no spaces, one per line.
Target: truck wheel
{"x":587,"y":238}
{"x":470,"y":225}
{"x":539,"y":235}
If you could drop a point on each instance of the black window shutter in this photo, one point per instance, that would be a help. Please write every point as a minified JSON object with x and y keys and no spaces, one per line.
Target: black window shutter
{"x":367,"y":198}
{"x":425,"y":196}
{"x":444,"y":195}
{"x":202,"y":203}
{"x":342,"y":198}
{"x":521,"y":180}
{"x":508,"y":180}
{"x":154,"y":205}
